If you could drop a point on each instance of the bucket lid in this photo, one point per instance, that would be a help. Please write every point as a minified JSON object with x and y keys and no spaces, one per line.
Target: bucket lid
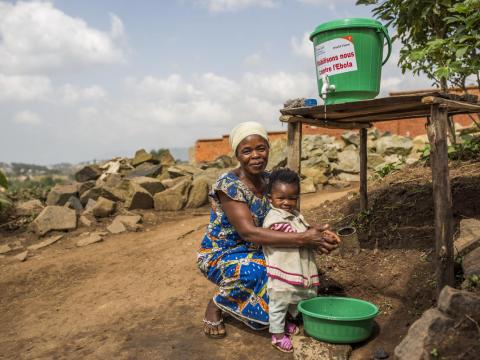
{"x":346,"y":23}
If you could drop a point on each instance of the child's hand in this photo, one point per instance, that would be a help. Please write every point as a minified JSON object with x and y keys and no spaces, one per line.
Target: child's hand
{"x":331,"y":237}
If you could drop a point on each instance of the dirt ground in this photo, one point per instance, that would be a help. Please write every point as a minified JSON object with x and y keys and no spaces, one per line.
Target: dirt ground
{"x":132,"y":296}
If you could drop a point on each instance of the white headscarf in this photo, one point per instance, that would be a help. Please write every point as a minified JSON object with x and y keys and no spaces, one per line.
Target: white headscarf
{"x":242,"y":130}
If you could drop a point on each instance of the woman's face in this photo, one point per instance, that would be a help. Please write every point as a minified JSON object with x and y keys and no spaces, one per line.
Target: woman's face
{"x":252,"y":154}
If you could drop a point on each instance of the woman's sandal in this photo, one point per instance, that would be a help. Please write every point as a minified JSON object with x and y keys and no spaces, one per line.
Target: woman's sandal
{"x":291,"y":328}
{"x":284,"y":344}
{"x":211,"y":325}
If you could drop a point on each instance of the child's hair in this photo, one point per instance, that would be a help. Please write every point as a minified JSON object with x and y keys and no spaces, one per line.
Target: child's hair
{"x":284,"y":176}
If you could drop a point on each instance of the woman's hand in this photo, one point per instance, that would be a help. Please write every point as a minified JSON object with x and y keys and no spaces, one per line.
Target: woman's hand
{"x":322,"y":239}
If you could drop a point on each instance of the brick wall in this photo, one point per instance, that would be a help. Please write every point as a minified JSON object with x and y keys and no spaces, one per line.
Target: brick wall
{"x":210,"y":149}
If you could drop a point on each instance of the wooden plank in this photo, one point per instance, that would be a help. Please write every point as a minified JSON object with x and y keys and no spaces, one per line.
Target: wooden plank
{"x":294,"y":146}
{"x":442,"y":196}
{"x":363,"y":171}
{"x":382,"y":117}
{"x":323,"y":123}
{"x":451,"y":104}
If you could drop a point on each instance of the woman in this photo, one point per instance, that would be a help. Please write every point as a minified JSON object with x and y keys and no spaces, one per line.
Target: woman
{"x":231,"y":252}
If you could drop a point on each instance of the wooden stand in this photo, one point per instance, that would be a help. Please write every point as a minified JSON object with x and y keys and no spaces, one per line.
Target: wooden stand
{"x":435,"y":106}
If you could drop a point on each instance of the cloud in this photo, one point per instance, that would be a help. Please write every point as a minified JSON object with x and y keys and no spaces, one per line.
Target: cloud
{"x":219,"y":6}
{"x":72,"y":94}
{"x":37,"y":37}
{"x":302,"y":47}
{"x":24,"y":88}
{"x":27,"y":117}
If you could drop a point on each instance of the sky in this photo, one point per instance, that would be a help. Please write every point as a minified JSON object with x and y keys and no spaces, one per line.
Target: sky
{"x":84,"y":80}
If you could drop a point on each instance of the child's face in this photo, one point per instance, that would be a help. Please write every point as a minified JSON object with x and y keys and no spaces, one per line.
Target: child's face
{"x":284,"y":196}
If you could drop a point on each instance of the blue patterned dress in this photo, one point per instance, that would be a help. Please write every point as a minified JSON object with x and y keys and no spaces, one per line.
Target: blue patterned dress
{"x":235,"y":265}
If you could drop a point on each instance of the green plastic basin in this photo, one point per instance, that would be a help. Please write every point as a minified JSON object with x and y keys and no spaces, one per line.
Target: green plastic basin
{"x":339,"y":320}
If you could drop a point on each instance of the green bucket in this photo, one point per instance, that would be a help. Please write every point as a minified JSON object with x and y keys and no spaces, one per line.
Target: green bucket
{"x":349,"y":52}
{"x":339,"y":320}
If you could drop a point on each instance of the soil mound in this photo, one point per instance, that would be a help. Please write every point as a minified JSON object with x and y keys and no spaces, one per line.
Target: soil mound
{"x":400,"y":213}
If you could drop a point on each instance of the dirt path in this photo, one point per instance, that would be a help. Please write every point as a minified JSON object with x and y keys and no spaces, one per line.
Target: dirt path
{"x":133,"y":296}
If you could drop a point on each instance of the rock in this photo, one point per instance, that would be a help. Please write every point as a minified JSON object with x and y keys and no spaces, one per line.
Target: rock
{"x":45,"y":243}
{"x":110,"y":180}
{"x":469,"y":237}
{"x":174,"y":198}
{"x":307,"y":186}
{"x":421,"y":334}
{"x":168,"y":183}
{"x":221,"y":162}
{"x":138,"y":198}
{"x":55,"y":218}
{"x":338,"y":184}
{"x":198,"y":194}
{"x":351,"y":137}
{"x":130,"y":221}
{"x":29,"y":208}
{"x":316,"y":173}
{"x":458,"y":303}
{"x":86,"y":220}
{"x":182,"y":170}
{"x":348,"y":177}
{"x":277,"y":154}
{"x":60,"y":194}
{"x":141,"y":156}
{"x":349,"y":161}
{"x":116,"y":227}
{"x":103,"y":208}
{"x":89,"y":172}
{"x":97,"y":192}
{"x":152,"y":185}
{"x":5,"y":249}
{"x":75,"y":204}
{"x":89,"y":239}
{"x":307,"y":348}
{"x":374,"y":159}
{"x":471,"y":263}
{"x":164,"y":157}
{"x":145,"y":169}
{"x":317,"y":161}
{"x":393,"y":159}
{"x":22,"y":256}
{"x":394,"y":144}
{"x":85,"y":186}
{"x":380,"y":353}
{"x":90,"y":205}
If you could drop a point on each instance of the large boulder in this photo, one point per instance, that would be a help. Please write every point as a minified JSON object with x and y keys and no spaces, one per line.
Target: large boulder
{"x":458,"y":303}
{"x":421,"y":335}
{"x":152,"y":185}
{"x":89,"y":172}
{"x":138,"y":198}
{"x":394,"y":144}
{"x":349,"y":161}
{"x":174,"y":198}
{"x":351,"y":137}
{"x":198,"y":194}
{"x":374,"y":159}
{"x":29,"y":208}
{"x":55,"y":218}
{"x":60,"y":194}
{"x":348,"y":177}
{"x":96,"y":192}
{"x":319,"y":160}
{"x":184,"y":169}
{"x":168,"y":183}
{"x":85,"y":186}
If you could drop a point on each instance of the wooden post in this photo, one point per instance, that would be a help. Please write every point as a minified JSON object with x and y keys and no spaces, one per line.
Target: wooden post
{"x":294,"y":148}
{"x":442,"y":196}
{"x":363,"y":170}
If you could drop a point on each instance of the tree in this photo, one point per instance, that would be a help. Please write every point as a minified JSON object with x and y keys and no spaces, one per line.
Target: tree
{"x":440,"y":38}
{"x":3,"y":180}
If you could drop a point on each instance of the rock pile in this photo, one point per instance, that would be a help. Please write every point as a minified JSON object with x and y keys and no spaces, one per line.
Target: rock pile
{"x":120,"y":185}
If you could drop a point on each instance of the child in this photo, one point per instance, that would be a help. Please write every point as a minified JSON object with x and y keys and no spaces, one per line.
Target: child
{"x":292,"y":273}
